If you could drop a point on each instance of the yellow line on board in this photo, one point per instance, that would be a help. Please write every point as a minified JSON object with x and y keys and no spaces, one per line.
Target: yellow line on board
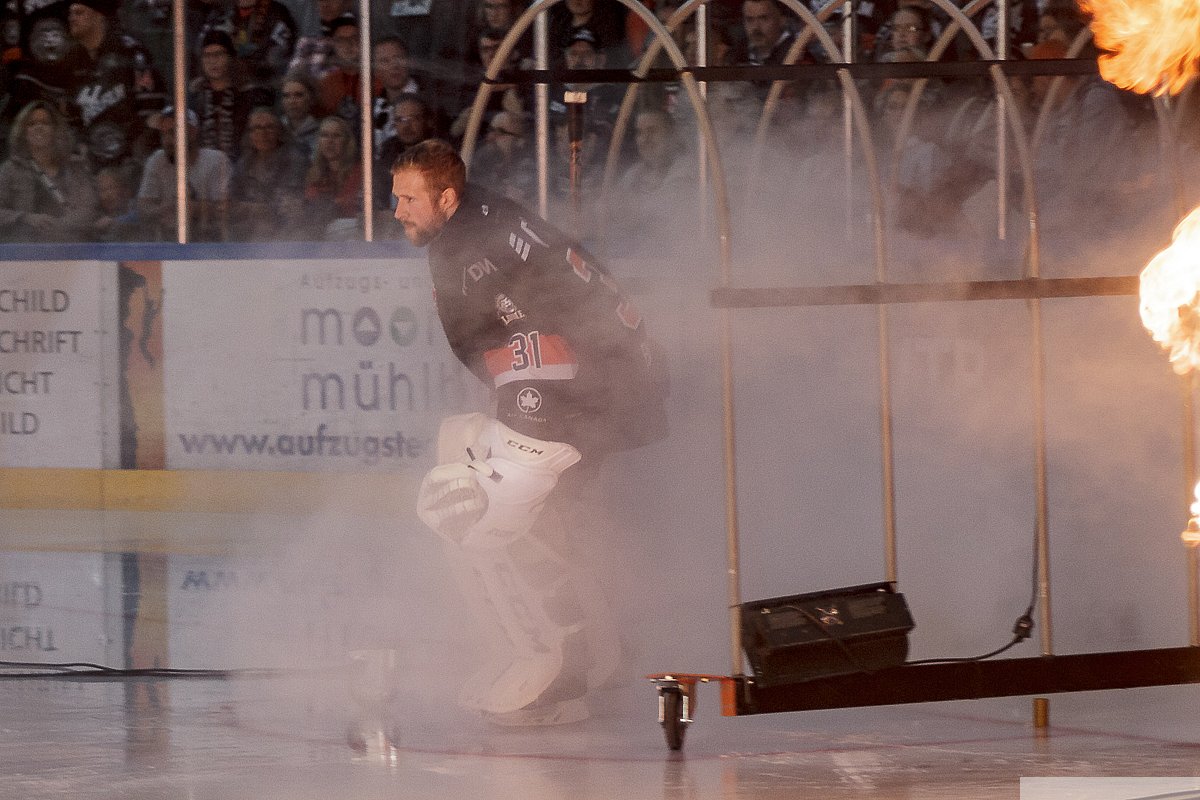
{"x":208,"y":491}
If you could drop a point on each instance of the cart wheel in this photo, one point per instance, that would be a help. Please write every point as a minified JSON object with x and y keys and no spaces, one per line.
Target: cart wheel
{"x":673,"y":725}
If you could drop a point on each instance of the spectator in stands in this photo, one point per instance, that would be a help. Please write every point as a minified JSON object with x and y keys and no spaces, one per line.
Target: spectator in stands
{"x":604,"y":18}
{"x":1092,"y":147}
{"x":46,"y":193}
{"x":217,"y":97}
{"x":1060,"y":21}
{"x":587,"y":51}
{"x":10,"y":36}
{"x":768,"y":36}
{"x":431,"y":29}
{"x":337,"y":91}
{"x":264,"y":33}
{"x":334,"y":182}
{"x":505,"y":162}
{"x":208,"y":173}
{"x":909,"y":29}
{"x":496,"y":16}
{"x":115,"y":87}
{"x":935,"y":173}
{"x":118,"y":220}
{"x":297,"y":97}
{"x":733,"y":106}
{"x":1022,"y":24}
{"x":504,"y":97}
{"x":270,"y":168}
{"x":312,"y":54}
{"x":42,"y":72}
{"x":389,"y":60}
{"x":659,"y":182}
{"x":412,"y":122}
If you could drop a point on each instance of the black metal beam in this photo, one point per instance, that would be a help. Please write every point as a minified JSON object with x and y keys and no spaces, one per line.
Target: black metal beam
{"x":972,"y":680}
{"x":887,"y":293}
{"x":770,"y":72}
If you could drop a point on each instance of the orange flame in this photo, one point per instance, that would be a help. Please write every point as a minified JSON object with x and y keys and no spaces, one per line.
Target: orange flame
{"x":1170,"y":296}
{"x":1153,"y":45}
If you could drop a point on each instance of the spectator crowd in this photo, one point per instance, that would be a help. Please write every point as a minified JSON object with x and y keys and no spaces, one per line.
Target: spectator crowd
{"x":273,"y":116}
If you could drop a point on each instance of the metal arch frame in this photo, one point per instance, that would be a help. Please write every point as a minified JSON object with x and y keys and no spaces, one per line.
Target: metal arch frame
{"x":813,"y":27}
{"x":1056,"y":83}
{"x":621,"y":124}
{"x":662,"y":41}
{"x":960,"y":21}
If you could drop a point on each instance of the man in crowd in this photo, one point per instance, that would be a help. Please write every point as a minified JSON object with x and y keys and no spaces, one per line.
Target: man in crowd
{"x":208,"y":173}
{"x":114,"y":85}
{"x":537,"y":319}
{"x":412,"y":122}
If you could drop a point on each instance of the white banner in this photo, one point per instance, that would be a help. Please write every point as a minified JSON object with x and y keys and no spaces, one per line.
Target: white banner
{"x":54,"y":404}
{"x":52,"y":608}
{"x":305,"y":365}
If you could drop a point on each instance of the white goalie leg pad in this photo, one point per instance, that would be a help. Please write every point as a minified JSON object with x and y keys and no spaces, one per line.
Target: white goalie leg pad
{"x":529,"y":656}
{"x":483,"y":498}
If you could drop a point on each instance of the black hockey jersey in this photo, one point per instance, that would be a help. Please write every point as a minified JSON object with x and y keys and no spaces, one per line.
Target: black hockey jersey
{"x":533,"y":315}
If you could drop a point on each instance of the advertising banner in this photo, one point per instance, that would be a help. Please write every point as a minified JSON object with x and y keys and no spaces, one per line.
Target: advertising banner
{"x":305,"y":366}
{"x":55,"y":404}
{"x":52,"y":608}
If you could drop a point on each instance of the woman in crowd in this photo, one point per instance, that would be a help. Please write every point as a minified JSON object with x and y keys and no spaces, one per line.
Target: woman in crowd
{"x":909,"y":29}
{"x":334,"y":183}
{"x":270,"y":169}
{"x":46,"y":192}
{"x":296,"y":99}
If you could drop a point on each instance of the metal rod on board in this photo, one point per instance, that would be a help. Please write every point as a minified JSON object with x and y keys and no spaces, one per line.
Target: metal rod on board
{"x":732,"y":545}
{"x":179,"y":95}
{"x":848,"y":117}
{"x":887,"y":456}
{"x":541,"y":56}
{"x":1040,"y":493}
{"x":1039,"y":421}
{"x":366,"y":118}
{"x":1002,"y":42}
{"x":702,"y":155}
{"x":1187,"y":387}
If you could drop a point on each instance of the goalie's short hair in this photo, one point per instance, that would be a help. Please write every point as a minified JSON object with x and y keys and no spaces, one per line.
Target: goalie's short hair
{"x":438,"y":162}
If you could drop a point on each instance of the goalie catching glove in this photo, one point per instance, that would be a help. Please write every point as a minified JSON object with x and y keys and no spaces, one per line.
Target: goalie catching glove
{"x":493,"y":484}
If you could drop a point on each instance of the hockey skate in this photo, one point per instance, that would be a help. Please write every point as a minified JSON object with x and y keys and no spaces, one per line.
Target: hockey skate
{"x":561,"y":702}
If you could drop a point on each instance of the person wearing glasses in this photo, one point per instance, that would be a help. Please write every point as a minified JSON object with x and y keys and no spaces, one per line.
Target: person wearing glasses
{"x":412,"y":121}
{"x":269,"y":173}
{"x":218,"y":97}
{"x":910,"y":29}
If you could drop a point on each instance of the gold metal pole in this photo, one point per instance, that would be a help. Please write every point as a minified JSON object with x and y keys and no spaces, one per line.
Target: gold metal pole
{"x":179,"y":100}
{"x":366,"y":119}
{"x":1187,"y":385}
{"x":1042,"y":508}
